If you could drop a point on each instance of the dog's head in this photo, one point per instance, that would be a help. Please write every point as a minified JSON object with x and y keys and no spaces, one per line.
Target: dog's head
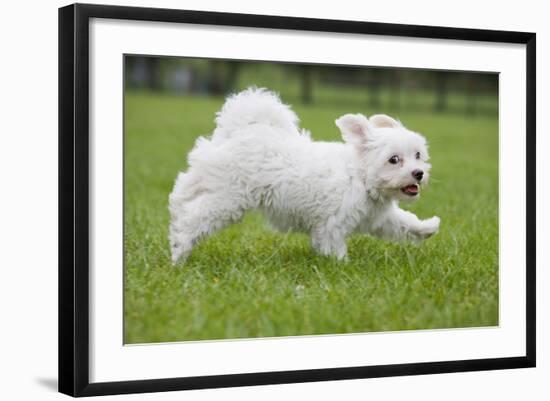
{"x":395,"y":160}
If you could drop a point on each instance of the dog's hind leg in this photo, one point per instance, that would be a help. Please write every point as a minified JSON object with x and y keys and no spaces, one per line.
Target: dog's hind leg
{"x":193,"y":219}
{"x":329,"y":242}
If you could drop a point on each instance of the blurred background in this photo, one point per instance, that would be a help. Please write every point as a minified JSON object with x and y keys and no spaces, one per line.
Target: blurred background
{"x":310,"y":84}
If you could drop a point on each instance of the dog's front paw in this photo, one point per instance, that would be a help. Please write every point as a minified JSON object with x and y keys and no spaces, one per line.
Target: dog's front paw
{"x":429,"y":227}
{"x":425,"y":229}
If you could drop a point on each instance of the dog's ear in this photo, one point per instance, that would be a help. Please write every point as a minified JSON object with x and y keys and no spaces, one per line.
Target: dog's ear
{"x":355,"y":128}
{"x":384,"y":121}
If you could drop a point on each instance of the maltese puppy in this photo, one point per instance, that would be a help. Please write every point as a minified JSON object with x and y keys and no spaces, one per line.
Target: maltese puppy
{"x":258,"y":158}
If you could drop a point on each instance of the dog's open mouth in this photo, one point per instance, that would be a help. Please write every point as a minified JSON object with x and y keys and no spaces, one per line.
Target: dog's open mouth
{"x":411,"y":190}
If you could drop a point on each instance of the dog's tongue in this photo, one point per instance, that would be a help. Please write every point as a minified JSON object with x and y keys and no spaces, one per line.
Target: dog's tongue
{"x":411,"y":189}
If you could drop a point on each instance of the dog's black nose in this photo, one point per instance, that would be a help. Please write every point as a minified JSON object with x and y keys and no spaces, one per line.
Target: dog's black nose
{"x":418,"y":174}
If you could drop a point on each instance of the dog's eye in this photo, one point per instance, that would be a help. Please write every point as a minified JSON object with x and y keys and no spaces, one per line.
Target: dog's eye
{"x":394,"y":159}
{"x":417,"y":155}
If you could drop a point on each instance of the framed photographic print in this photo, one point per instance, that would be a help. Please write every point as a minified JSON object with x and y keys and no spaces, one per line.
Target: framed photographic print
{"x":251,"y":199}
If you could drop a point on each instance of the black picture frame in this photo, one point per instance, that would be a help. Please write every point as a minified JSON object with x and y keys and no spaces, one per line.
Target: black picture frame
{"x":74,"y":194}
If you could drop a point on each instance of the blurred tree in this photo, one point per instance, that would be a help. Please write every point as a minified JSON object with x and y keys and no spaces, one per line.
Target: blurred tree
{"x":440,"y":90}
{"x":223,"y":76}
{"x":395,"y":84}
{"x":306,"y":74}
{"x":374,"y":82}
{"x":215,"y":77}
{"x":233,"y":70}
{"x":129,"y":67}
{"x":471,"y":89}
{"x":154,"y":81}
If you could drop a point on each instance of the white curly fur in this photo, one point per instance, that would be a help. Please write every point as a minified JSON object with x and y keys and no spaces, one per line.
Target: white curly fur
{"x":258,"y":158}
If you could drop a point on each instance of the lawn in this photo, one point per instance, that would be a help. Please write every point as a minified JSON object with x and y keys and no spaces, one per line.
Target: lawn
{"x":248,"y":281}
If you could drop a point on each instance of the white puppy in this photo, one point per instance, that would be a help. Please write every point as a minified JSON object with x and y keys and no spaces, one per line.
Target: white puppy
{"x":258,"y":158}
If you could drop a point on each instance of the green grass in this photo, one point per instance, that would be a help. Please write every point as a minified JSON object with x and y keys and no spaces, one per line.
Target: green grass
{"x":248,"y":281}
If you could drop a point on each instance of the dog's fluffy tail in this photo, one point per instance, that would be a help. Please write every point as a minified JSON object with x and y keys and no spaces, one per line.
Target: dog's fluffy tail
{"x":250,"y":107}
